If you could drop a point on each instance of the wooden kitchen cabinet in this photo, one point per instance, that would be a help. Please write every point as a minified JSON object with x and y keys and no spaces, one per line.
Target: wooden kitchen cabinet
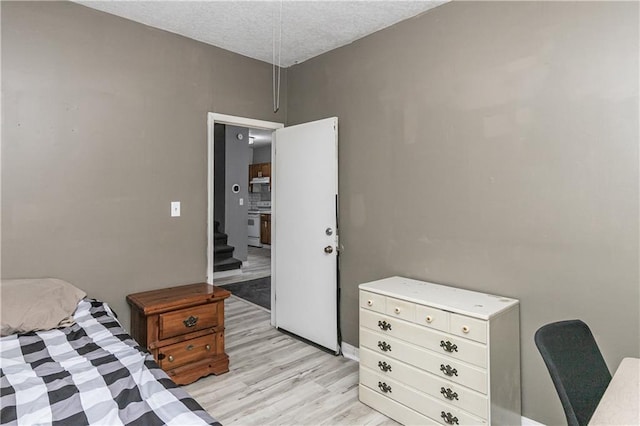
{"x":183,"y":328}
{"x":260,"y":170}
{"x":265,"y":229}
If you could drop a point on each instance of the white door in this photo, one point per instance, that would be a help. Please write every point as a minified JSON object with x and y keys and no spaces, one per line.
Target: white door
{"x":304,"y":231}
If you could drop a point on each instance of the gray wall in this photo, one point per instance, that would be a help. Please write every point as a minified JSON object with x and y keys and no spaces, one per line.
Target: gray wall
{"x":493,"y":146}
{"x":237,"y":160}
{"x":262,"y":154}
{"x":104,"y":124}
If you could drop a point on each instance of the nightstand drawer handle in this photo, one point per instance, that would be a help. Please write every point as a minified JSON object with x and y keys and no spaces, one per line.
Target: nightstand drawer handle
{"x":189,"y":348}
{"x":207,"y":347}
{"x":170,"y":358}
{"x":191,"y":321}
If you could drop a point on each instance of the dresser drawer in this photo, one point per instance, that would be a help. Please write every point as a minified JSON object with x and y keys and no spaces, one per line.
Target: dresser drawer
{"x":416,"y":400}
{"x":372,"y":301}
{"x":443,"y":367}
{"x":458,"y":396}
{"x":182,"y":353}
{"x":400,"y":309}
{"x":393,"y":409}
{"x":187,"y":320}
{"x":441,"y":343}
{"x":432,"y":317}
{"x":469,"y":328}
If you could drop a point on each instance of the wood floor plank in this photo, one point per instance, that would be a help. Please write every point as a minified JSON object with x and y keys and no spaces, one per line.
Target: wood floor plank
{"x":276,"y":379}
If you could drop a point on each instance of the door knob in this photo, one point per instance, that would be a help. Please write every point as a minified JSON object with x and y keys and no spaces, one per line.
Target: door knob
{"x":328,"y":249}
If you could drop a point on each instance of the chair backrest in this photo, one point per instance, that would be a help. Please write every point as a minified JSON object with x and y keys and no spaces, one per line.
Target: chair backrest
{"x":577,"y":368}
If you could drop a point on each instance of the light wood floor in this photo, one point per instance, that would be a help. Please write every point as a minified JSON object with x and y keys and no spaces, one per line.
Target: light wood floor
{"x":275,"y":379}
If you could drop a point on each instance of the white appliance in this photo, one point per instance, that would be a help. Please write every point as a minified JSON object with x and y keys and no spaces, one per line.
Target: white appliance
{"x":253,"y":230}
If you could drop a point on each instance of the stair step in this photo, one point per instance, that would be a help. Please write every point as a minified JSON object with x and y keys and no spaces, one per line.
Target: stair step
{"x":218,"y":257}
{"x":223,"y":248}
{"x":219,"y":237}
{"x":227,"y":264}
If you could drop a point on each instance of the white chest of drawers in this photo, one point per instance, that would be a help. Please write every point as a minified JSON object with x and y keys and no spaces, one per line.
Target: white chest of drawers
{"x":433,"y":354}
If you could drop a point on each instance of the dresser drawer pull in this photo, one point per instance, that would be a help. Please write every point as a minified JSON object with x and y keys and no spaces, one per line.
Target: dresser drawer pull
{"x":189,"y":347}
{"x":465,"y":329}
{"x":369,"y":302}
{"x":170,"y":358}
{"x":191,"y":321}
{"x":384,"y":366}
{"x":397,"y":310}
{"x":448,"y":370}
{"x":449,"y":418}
{"x":449,"y":394}
{"x":429,"y":319}
{"x":207,"y":347}
{"x":448,"y":346}
{"x":384,"y":387}
{"x":384,"y":326}
{"x":384,"y":346}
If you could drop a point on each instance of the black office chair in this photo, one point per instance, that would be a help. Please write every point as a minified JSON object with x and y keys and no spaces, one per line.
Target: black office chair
{"x":577,"y":368}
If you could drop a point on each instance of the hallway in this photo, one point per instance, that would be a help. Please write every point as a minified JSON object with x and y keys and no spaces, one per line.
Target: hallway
{"x":258,"y":265}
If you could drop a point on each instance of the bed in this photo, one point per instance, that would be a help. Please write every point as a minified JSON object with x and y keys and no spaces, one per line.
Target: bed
{"x":90,"y":372}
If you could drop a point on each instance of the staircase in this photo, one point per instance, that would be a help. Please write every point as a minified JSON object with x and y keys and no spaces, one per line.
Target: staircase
{"x":223,"y":259}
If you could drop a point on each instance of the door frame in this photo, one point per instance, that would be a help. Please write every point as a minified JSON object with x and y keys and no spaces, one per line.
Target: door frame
{"x":217,"y":118}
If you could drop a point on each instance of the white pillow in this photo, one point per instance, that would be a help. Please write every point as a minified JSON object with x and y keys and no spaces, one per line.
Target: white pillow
{"x":37,"y":304}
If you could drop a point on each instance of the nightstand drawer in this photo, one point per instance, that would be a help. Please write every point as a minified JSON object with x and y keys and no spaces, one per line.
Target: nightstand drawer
{"x":182,"y":353}
{"x":187,"y":320}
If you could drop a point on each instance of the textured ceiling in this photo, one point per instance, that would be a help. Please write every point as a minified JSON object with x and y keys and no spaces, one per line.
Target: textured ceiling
{"x":309,"y":28}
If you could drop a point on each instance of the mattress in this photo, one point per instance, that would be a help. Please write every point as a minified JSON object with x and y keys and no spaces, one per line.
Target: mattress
{"x":92,"y":372}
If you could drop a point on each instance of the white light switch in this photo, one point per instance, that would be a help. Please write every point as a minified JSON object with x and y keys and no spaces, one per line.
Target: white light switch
{"x":242,"y":201}
{"x":175,"y":209}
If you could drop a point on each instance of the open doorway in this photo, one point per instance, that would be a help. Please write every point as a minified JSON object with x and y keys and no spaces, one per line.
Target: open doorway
{"x":242,"y":212}
{"x":304,"y":228}
{"x":239,"y":216}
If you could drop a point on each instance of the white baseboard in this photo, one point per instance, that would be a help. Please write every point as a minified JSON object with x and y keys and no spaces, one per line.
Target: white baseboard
{"x":350,"y":352}
{"x":530,"y":422}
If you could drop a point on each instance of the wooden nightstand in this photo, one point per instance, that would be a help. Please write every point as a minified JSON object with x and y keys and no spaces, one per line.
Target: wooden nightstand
{"x":183,"y":327}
